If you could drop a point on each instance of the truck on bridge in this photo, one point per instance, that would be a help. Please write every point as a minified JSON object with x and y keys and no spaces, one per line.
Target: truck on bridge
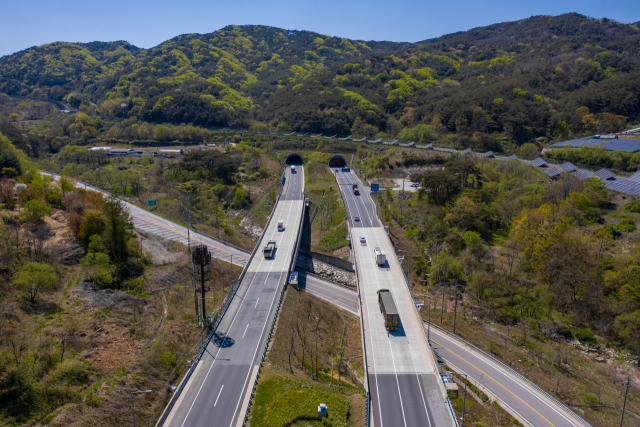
{"x":388,"y":310}
{"x":293,"y":169}
{"x":269,"y":250}
{"x":355,"y":190}
{"x":381,"y":257}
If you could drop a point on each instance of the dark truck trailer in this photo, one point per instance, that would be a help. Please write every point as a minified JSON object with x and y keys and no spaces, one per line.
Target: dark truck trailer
{"x":388,"y":309}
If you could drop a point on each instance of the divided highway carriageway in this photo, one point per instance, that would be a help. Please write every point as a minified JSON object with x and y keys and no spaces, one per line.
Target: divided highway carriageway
{"x":219,"y":390}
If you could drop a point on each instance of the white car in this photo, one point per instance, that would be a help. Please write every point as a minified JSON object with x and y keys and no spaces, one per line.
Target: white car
{"x":363,"y":241}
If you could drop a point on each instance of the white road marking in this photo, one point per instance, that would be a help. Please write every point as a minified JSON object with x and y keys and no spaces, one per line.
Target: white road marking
{"x":219,"y":393}
{"x":256,"y":303}
{"x":245,"y":330}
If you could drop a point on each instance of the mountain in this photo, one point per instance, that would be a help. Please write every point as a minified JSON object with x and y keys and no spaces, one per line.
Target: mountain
{"x":492,"y":86}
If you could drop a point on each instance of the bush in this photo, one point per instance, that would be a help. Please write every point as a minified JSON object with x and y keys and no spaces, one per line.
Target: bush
{"x":633,"y":207}
{"x":627,"y":225}
{"x":585,"y":335}
{"x":35,"y":211}
{"x":73,"y":372}
{"x":168,"y":360}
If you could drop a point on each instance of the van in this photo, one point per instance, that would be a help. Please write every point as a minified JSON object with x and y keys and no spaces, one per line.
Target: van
{"x":280,"y":225}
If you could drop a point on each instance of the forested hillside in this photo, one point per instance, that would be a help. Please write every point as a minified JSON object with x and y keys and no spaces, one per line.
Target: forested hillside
{"x":493,"y":87}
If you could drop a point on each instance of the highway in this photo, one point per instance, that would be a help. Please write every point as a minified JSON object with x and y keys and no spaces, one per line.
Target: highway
{"x":516,"y":395}
{"x":147,"y":222}
{"x":405,"y":386}
{"x":218,"y":391}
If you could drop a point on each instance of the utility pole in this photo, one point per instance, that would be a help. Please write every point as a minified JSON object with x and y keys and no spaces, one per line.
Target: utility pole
{"x":624,"y":406}
{"x":193,"y":268}
{"x":402,"y":196}
{"x":455,"y":309}
{"x":217,"y":221}
{"x":464,"y":399}
{"x":442,"y":285}
{"x":138,"y":175}
{"x":201,"y":256}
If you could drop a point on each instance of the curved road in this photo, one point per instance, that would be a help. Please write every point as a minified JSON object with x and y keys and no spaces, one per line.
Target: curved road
{"x":524,"y":401}
{"x":151,"y":223}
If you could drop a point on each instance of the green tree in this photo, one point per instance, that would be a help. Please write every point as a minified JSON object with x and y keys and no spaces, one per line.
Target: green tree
{"x":35,"y":277}
{"x":97,"y":264}
{"x":118,"y":229}
{"x":529,"y":150}
{"x":92,"y":224}
{"x":241,"y":198}
{"x":35,"y":211}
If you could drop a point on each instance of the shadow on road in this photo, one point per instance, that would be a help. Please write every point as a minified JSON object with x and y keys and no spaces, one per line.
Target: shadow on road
{"x":222,"y":340}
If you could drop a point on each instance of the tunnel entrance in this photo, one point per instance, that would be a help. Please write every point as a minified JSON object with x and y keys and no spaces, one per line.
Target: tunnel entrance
{"x":294,"y":159}
{"x":337,"y":161}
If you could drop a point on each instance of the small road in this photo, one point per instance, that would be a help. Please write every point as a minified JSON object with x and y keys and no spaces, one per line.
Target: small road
{"x":519,"y":397}
{"x":148,"y":222}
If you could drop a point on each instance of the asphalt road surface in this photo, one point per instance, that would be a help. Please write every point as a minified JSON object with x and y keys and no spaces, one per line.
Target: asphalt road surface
{"x":218,"y":391}
{"x":405,"y":387}
{"x":516,"y":395}
{"x":148,"y":222}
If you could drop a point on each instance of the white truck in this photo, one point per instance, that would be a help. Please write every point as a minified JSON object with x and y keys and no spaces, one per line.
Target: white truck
{"x":381,"y":258}
{"x":293,"y":169}
{"x":280,"y":225}
{"x":269,"y":250}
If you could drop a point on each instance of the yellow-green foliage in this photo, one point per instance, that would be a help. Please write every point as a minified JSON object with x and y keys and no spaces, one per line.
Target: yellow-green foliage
{"x":501,"y":61}
{"x":297,"y":87}
{"x":476,"y":64}
{"x":160,"y":103}
{"x":363,"y":104}
{"x":403,"y":86}
{"x":275,"y":60}
{"x":456,"y":63}
{"x":519,"y":93}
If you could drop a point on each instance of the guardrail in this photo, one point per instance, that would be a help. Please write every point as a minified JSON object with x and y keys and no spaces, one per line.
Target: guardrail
{"x":223,"y":311}
{"x":508,"y":368}
{"x":451,"y":412}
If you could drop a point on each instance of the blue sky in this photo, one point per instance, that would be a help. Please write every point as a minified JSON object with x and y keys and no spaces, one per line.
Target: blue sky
{"x":146,"y":23}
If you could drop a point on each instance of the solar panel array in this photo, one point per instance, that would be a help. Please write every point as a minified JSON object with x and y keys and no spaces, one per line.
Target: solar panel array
{"x":514,"y":157}
{"x":487,"y":154}
{"x":539,"y":162}
{"x":635,"y":177}
{"x":625,"y":185}
{"x":630,"y":145}
{"x":604,"y":174}
{"x":582,"y":174}
{"x":467,"y":151}
{"x":552,"y":171}
{"x":568,"y":167}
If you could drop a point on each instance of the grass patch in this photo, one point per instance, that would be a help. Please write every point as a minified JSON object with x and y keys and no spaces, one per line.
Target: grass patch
{"x":284,"y":400}
{"x":335,"y":239}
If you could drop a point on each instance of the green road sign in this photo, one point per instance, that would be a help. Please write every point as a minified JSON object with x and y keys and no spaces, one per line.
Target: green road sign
{"x":151,"y":202}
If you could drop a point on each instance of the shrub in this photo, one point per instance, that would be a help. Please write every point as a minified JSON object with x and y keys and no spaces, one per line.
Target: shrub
{"x":627,"y":225}
{"x":168,"y":360}
{"x":35,"y":211}
{"x":585,"y":335}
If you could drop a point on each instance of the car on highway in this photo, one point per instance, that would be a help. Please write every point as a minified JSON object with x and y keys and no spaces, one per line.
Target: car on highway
{"x":363,"y":241}
{"x":356,"y":218}
{"x":415,"y":184}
